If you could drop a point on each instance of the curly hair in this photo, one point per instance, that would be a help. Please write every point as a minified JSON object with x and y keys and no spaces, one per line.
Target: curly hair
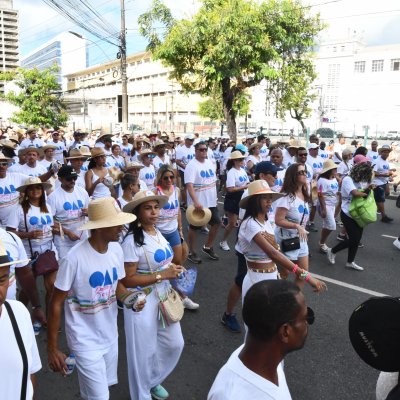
{"x":361,"y":172}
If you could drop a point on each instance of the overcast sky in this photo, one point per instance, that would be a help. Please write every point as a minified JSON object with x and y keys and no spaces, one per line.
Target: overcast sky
{"x":377,"y":21}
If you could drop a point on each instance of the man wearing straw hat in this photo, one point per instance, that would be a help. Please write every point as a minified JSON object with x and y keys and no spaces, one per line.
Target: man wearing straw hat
{"x":87,"y":284}
{"x":77,"y":158}
{"x":58,"y":142}
{"x":32,"y":140}
{"x":19,"y":353}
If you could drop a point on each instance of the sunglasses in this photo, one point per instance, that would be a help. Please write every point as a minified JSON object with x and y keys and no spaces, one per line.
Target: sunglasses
{"x":203,"y":149}
{"x":56,"y":134}
{"x":310,"y":317}
{"x":150,"y":155}
{"x":168,"y":178}
{"x":302,"y":172}
{"x":71,"y":178}
{"x":5,"y":164}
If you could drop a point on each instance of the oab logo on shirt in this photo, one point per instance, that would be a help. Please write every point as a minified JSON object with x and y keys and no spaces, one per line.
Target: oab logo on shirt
{"x":171,"y":205}
{"x":208,"y":176}
{"x":102,"y":285}
{"x":149,"y":175}
{"x":242,"y":179}
{"x":303,"y":210}
{"x":45,"y":220}
{"x":163,"y":256}
{"x":7,"y":190}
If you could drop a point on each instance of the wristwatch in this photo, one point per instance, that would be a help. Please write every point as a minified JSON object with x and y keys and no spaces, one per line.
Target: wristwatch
{"x":158,"y":278}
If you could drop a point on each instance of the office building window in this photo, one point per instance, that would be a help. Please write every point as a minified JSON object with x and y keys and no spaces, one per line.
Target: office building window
{"x":377,"y":65}
{"x":395,"y":64}
{"x":359,"y":66}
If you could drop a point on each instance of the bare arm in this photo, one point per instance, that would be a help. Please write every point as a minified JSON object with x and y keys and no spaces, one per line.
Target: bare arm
{"x":192,"y":193}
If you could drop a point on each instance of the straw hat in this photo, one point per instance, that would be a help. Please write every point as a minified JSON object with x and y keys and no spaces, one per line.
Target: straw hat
{"x":256,"y":188}
{"x":43,"y":149}
{"x":28,"y":149}
{"x":236,"y":155}
{"x":103,"y":135}
{"x":77,"y":153}
{"x":8,"y":143}
{"x":143,"y":197}
{"x":34,"y":181}
{"x":133,"y":165}
{"x":105,"y":213}
{"x":5,"y":259}
{"x":158,"y":143}
{"x":257,"y":144}
{"x":3,"y":157}
{"x":145,"y":152}
{"x":14,"y":138}
{"x":85,"y":151}
{"x":328,"y":165}
{"x":198,"y":217}
{"x":96,"y":152}
{"x":385,"y":147}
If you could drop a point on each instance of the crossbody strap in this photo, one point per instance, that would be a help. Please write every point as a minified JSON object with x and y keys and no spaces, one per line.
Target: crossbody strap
{"x":302,"y":218}
{"x":151,"y":270}
{"x":29,"y":240}
{"x":22,"y":350}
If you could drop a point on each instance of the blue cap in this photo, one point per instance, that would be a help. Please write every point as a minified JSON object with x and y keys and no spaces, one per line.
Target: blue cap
{"x":266,"y":167}
{"x":241,"y":147}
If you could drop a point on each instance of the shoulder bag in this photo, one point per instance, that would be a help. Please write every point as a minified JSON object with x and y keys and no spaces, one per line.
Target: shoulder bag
{"x":294,"y":242}
{"x":44,"y":263}
{"x":170,"y":307}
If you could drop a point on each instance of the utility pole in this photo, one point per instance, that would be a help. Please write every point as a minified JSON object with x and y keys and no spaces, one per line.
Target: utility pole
{"x":124,"y":79}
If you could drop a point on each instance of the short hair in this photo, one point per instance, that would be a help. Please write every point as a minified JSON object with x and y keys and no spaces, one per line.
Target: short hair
{"x":198,"y":144}
{"x":268,"y":305}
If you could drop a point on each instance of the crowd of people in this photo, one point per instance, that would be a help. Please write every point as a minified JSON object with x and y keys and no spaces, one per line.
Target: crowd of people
{"x":102,"y":219}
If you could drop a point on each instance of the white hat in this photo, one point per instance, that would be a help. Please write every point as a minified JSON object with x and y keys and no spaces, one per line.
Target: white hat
{"x":197,"y":217}
{"x":143,"y":197}
{"x":189,"y":136}
{"x":105,"y":213}
{"x":313,"y":146}
{"x":249,"y":136}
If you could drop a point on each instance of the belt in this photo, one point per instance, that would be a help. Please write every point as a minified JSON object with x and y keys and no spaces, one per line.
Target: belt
{"x":263,"y":270}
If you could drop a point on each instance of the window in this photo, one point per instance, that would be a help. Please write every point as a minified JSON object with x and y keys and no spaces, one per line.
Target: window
{"x":377,"y":65}
{"x":359,"y":66}
{"x":395,"y":64}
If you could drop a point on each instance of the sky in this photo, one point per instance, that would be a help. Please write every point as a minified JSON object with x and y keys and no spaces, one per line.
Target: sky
{"x":377,"y":21}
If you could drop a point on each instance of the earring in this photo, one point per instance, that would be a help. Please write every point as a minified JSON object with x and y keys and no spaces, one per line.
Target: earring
{"x":139,"y":224}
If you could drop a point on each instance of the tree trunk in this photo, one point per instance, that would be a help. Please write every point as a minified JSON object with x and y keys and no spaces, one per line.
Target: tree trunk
{"x":228,"y":96}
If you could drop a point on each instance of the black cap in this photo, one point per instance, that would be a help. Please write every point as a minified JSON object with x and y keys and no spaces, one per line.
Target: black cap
{"x":266,"y":167}
{"x":374,"y":329}
{"x":66,"y":171}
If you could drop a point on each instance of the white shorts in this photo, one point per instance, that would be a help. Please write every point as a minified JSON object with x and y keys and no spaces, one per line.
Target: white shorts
{"x":329,"y":222}
{"x":97,"y":370}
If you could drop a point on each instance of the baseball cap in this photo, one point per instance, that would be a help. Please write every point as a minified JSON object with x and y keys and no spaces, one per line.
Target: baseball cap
{"x":266,"y":167}
{"x":67,"y":171}
{"x":374,"y":329}
{"x":189,"y":136}
{"x":241,"y":147}
{"x":313,"y":146}
{"x":359,"y":158}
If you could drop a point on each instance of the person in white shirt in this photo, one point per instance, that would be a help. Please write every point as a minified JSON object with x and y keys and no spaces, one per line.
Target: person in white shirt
{"x":184,"y":153}
{"x":59,"y":146}
{"x":79,"y":140}
{"x":49,"y":152}
{"x":126,"y":147}
{"x":134,"y":168}
{"x":373,"y":153}
{"x":115,"y":159}
{"x":276,"y":158}
{"x":289,"y":155}
{"x":104,"y":141}
{"x":32,"y":167}
{"x":32,"y":140}
{"x":383,"y":174}
{"x":17,"y":373}
{"x":77,"y":158}
{"x":277,"y":318}
{"x":212,"y":153}
{"x":264,"y":151}
{"x":87,"y":286}
{"x":148,"y":173}
{"x":322,"y":152}
{"x":161,"y":157}
{"x":200,"y":178}
{"x":338,"y":148}
{"x":253,"y":158}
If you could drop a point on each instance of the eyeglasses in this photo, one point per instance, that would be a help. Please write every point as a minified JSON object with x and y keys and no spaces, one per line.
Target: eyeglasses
{"x":71,"y":178}
{"x":310,"y":317}
{"x":302,"y":172}
{"x":168,"y":178}
{"x":202,"y":149}
{"x":56,"y":134}
{"x":5,"y":164}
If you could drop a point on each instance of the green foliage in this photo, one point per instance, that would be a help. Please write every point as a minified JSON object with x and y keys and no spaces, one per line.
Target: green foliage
{"x":233,"y":44}
{"x":38,"y":99}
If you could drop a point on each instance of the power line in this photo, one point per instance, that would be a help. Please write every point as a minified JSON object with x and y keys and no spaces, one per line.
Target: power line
{"x":361,"y":15}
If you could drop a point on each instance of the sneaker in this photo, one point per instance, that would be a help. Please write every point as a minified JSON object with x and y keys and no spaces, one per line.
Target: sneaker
{"x":204,"y":230}
{"x":194,"y":258}
{"x":339,"y":223}
{"x":210,"y":252}
{"x":360,"y":245}
{"x":311,"y":227}
{"x":183,"y":206}
{"x":230,"y":321}
{"x":341,"y":237}
{"x":331,"y":256}
{"x":224,"y":245}
{"x":159,"y":393}
{"x":190,"y":304}
{"x":386,"y":219}
{"x":353,"y":265}
{"x":396,"y":244}
{"x":323,"y":248}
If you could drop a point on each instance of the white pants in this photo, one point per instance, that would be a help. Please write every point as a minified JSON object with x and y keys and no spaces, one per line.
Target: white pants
{"x":97,"y":370}
{"x":152,"y":351}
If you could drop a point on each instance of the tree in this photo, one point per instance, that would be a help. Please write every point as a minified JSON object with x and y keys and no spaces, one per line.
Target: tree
{"x":38,"y":99}
{"x":233,"y":44}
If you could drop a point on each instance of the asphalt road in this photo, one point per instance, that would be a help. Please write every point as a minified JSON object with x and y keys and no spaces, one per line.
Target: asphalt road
{"x":327,"y":368}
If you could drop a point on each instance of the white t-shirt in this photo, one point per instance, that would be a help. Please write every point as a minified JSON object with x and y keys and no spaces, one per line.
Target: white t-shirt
{"x":167,"y":222}
{"x":287,"y":158}
{"x":184,"y":154}
{"x":381,"y":167}
{"x":236,"y":382}
{"x":338,"y":148}
{"x":59,"y":151}
{"x":202,"y":176}
{"x":323,"y":154}
{"x":316,"y":163}
{"x":9,"y":196}
{"x":158,"y":162}
{"x":126,"y":149}
{"x":211,"y":155}
{"x":148,"y":175}
{"x":113,"y":161}
{"x":25,"y":169}
{"x":348,"y":185}
{"x":236,"y":178}
{"x":264,"y":152}
{"x":31,"y":143}
{"x":254,"y":159}
{"x":296,"y":209}
{"x":280,"y":176}
{"x":15,"y":251}
{"x":373,"y":155}
{"x":329,"y":188}
{"x":343,"y":168}
{"x":11,"y":373}
{"x":91,"y":309}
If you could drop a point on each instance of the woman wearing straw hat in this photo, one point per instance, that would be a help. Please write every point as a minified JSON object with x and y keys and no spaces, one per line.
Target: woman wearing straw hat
{"x":256,"y":241}
{"x":236,"y":182}
{"x":77,"y":158}
{"x":33,"y":222}
{"x":87,"y":286}
{"x":328,"y":188}
{"x":97,"y":179}
{"x":148,"y":173}
{"x":153,"y":347}
{"x":254,"y":157}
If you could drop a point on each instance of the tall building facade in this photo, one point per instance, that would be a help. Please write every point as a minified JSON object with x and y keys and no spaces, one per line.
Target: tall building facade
{"x":9,"y":55}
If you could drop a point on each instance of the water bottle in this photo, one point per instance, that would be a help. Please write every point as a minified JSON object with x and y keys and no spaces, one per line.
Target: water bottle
{"x":37,"y":326}
{"x":70,"y":362}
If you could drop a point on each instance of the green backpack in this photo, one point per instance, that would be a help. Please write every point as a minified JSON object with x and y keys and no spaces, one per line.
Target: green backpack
{"x":363,"y":209}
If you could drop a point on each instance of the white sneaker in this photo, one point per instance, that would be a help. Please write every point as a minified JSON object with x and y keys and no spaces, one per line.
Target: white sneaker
{"x":396,"y":244}
{"x":331,"y":256}
{"x":323,"y":248}
{"x":224,"y":245}
{"x":190,"y":304}
{"x":353,"y":265}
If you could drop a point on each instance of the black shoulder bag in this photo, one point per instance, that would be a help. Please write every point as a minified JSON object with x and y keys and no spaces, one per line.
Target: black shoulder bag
{"x":22,"y":350}
{"x":294,"y":242}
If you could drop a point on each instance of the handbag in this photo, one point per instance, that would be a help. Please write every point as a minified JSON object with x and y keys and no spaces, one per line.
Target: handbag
{"x":170,"y":307}
{"x":363,"y":210}
{"x":293,"y":243}
{"x":42,"y":264}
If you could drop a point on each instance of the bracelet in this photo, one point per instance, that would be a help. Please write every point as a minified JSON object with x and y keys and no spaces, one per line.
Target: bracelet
{"x":307,"y":277}
{"x":295,"y":268}
{"x":35,"y":307}
{"x":303,"y":274}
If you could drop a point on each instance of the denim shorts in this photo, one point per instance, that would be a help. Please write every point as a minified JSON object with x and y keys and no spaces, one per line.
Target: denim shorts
{"x":173,"y":238}
{"x":379,"y":193}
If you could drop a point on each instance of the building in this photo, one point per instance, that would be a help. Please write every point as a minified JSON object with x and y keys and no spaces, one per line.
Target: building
{"x":66,"y":50}
{"x":8,"y":38}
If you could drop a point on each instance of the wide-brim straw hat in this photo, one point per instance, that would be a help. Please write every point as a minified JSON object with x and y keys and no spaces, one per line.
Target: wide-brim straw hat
{"x":5,"y":259}
{"x":34,"y":181}
{"x":134,"y":165}
{"x":103,"y":135}
{"x":28,"y":149}
{"x":8,"y":143}
{"x":385,"y":147}
{"x":236,"y":155}
{"x":77,"y":153}
{"x":327,"y":166}
{"x":143,"y":197}
{"x":43,"y":149}
{"x":158,"y":143}
{"x":97,"y":152}
{"x":254,"y":145}
{"x":146,"y":152}
{"x":198,"y":217}
{"x":257,"y":188}
{"x":105,"y":213}
{"x":3,"y":157}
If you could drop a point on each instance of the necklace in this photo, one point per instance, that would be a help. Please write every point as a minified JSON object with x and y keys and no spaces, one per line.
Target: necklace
{"x":155,"y":237}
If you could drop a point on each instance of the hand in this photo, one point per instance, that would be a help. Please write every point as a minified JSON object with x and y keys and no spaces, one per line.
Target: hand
{"x":198,"y":206}
{"x":38,"y":315}
{"x":318,"y":286}
{"x":84,"y":212}
{"x":57,"y":360}
{"x":100,"y":180}
{"x":72,"y":236}
{"x":139,"y":306}
{"x":173,"y":271}
{"x":38,"y":234}
{"x":302,"y":233}
{"x":323,"y":213}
